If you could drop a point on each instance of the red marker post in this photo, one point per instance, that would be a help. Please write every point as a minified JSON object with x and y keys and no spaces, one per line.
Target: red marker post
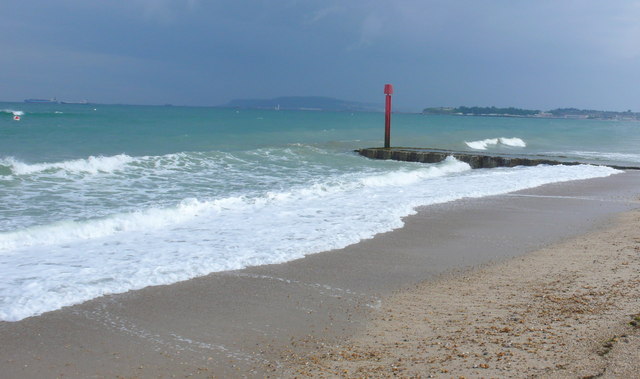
{"x":388,"y":90}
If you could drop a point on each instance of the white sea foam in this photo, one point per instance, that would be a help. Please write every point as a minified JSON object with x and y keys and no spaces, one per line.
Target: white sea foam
{"x":49,"y":266}
{"x":599,"y":156}
{"x":515,"y":142}
{"x":404,"y":177}
{"x":156,"y":218}
{"x":91,"y":165}
{"x":151,"y":219}
{"x":484,"y":144}
{"x":13,"y":112}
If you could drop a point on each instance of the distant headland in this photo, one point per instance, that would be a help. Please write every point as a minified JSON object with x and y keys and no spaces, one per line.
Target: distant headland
{"x":518,"y":112}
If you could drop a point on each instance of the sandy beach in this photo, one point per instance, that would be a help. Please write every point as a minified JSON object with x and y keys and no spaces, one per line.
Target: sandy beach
{"x":542,"y":282}
{"x":569,"y":310}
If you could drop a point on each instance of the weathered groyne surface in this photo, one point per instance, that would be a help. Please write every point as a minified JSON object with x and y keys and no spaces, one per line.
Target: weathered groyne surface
{"x":474,"y":159}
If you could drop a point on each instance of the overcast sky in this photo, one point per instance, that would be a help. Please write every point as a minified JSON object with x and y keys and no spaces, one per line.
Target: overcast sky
{"x":525,"y":53}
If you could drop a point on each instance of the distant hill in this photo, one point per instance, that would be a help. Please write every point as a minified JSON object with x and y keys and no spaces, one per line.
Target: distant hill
{"x":481,"y":111}
{"x":303,"y":103}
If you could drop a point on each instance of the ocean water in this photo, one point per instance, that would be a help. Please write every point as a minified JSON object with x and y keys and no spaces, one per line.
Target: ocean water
{"x":101,"y":199}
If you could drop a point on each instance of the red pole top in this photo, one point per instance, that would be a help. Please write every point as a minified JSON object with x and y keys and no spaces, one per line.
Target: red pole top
{"x":388,"y":89}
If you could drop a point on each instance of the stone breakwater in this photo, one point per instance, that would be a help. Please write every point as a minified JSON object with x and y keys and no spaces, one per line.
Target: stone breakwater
{"x":475,"y":160}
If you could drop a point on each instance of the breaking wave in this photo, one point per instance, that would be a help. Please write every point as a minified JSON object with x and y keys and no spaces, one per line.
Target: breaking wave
{"x":485,"y":143}
{"x":12,"y":112}
{"x":72,"y":259}
{"x":91,"y":165}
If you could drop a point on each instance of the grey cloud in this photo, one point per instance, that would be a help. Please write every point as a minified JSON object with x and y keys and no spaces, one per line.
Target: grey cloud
{"x":523,"y":53}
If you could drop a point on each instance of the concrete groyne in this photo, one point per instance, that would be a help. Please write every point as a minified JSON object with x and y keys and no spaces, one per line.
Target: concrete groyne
{"x":474,"y":159}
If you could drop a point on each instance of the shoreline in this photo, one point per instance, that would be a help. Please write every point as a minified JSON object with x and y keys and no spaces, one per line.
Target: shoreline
{"x":241,"y":323}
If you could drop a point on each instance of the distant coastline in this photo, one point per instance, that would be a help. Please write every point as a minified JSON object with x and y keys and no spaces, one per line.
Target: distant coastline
{"x":319,"y":103}
{"x":570,"y":113}
{"x":304,"y":103}
{"x":54,"y":101}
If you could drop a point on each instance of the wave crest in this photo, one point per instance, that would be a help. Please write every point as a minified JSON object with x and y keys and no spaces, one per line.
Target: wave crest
{"x":483,"y":144}
{"x":91,"y":165}
{"x":188,"y":209}
{"x":12,"y":112}
{"x":150,"y":219}
{"x":400,"y":178}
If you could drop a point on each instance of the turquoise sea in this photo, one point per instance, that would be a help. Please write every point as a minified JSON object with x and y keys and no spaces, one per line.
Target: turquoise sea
{"x":100,"y":199}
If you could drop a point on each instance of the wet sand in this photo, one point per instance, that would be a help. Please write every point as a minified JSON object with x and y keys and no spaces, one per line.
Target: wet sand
{"x":268,"y":320}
